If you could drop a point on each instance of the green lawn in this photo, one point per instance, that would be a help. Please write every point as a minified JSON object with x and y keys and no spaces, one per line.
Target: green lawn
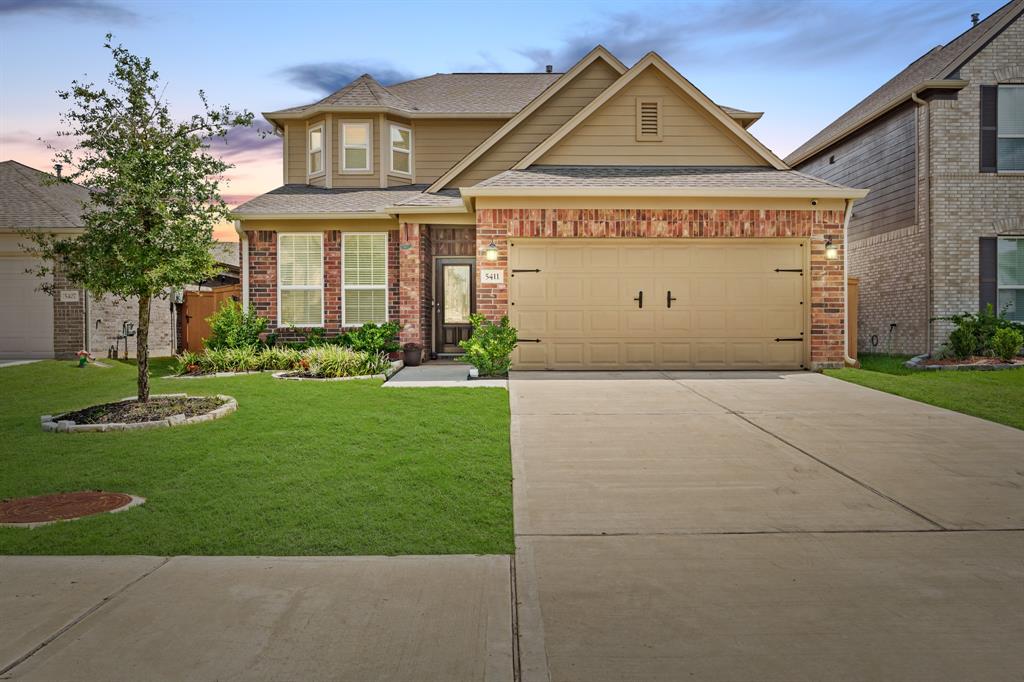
{"x":996,"y":396}
{"x":301,"y":468}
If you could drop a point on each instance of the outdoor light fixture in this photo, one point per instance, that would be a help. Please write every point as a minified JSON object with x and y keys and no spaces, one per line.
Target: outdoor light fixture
{"x":831,"y":252}
{"x":492,"y":252}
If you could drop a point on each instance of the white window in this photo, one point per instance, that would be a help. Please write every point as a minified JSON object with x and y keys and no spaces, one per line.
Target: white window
{"x":316,"y":150}
{"x":300,"y":279}
{"x":355,"y":146}
{"x":1010,"y":277}
{"x":401,"y":150}
{"x":365,"y":278}
{"x":1010,"y":128}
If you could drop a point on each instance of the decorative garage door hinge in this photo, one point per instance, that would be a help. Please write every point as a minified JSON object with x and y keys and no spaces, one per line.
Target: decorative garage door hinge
{"x":516,"y":270}
{"x":790,"y":338}
{"x":800,"y":270}
{"x":527,"y":340}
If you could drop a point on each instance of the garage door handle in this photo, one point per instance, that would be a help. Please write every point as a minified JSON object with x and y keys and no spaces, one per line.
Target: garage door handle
{"x":669,"y":298}
{"x":640,"y":299}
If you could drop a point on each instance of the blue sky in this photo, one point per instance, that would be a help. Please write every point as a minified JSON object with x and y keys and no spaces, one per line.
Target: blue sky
{"x":802,"y":62}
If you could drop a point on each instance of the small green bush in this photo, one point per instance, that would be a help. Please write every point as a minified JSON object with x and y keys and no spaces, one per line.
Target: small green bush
{"x":322,"y":361}
{"x":963,"y":343}
{"x":280,"y":358}
{"x":232,"y":327}
{"x":373,"y":338}
{"x":490,"y":347}
{"x":1006,"y":343}
{"x":976,"y":330}
{"x":332,"y":362}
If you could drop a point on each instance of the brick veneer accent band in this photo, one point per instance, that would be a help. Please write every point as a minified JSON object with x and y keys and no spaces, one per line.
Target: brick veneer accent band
{"x":827,"y":277}
{"x":263,"y":280}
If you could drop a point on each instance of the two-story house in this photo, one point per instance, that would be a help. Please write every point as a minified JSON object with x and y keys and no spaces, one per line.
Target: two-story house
{"x":621,"y":219}
{"x":941,"y":147}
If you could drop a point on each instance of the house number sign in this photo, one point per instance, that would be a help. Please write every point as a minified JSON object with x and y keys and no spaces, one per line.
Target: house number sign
{"x":69,"y":296}
{"x":492,"y":276}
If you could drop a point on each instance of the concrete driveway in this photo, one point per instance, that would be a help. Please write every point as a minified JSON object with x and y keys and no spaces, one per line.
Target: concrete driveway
{"x":762,"y":526}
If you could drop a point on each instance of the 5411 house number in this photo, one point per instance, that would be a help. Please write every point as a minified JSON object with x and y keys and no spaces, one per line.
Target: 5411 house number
{"x":492,"y":276}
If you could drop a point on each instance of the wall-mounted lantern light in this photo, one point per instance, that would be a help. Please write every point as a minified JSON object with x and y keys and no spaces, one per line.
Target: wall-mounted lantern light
{"x":492,"y":252}
{"x":831,"y":252}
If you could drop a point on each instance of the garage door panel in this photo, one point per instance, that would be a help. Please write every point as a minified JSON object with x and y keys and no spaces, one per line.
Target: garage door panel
{"x":26,"y":312}
{"x":729,"y":304}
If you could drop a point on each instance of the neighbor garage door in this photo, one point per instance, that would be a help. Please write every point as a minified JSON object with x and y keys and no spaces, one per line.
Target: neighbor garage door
{"x":26,"y":315}
{"x":705,"y":304}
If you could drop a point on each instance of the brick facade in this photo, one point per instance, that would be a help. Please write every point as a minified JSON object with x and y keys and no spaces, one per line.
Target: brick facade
{"x":68,"y":318}
{"x":262,"y":268}
{"x":828,"y":323}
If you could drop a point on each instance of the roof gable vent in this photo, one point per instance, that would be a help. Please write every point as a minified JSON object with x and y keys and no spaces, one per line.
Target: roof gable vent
{"x":648,"y":119}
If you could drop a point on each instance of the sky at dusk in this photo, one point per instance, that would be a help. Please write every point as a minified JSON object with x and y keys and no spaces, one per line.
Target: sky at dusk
{"x":802,"y":62}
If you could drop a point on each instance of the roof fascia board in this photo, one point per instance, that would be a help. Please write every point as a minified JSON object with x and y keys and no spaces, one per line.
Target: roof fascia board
{"x":655,"y":60}
{"x":893,"y":103}
{"x":757,"y":192}
{"x":598,"y":52}
{"x":352,"y":215}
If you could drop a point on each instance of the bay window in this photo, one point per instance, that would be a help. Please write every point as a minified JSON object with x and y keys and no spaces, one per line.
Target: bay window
{"x":365,"y":278}
{"x":316,"y":150}
{"x":300,"y":280}
{"x":401,"y":149}
{"x":355,"y":146}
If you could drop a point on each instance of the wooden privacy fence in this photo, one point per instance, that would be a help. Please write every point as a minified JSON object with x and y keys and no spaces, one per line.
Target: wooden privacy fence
{"x":198,"y":306}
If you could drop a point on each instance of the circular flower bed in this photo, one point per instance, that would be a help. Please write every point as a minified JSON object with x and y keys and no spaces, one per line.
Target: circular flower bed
{"x":160,"y":411}
{"x":29,"y":512}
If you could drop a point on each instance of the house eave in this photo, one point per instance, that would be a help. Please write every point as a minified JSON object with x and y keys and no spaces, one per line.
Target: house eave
{"x":745,"y":192}
{"x":349,"y":215}
{"x":275,"y":116}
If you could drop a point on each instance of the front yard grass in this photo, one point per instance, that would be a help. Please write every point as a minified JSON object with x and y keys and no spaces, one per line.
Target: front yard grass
{"x":994,"y":395}
{"x":302,"y":468}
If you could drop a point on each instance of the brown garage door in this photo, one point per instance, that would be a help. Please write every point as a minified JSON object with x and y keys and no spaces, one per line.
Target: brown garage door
{"x":705,"y":304}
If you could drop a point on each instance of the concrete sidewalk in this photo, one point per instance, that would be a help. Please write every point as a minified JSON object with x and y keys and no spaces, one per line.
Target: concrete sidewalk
{"x":256,"y":618}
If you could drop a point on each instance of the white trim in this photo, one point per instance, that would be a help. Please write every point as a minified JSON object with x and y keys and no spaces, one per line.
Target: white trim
{"x":243,"y":241}
{"x":366,"y":287}
{"x":328,"y":153}
{"x":309,"y":152}
{"x":392,"y":149}
{"x":368,"y":125}
{"x":304,"y":287}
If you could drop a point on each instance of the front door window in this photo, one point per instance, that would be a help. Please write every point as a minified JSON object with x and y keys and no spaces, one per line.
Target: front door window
{"x":457,"y":292}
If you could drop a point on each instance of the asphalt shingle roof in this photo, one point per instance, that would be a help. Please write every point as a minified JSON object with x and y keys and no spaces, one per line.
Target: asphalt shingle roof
{"x":672,"y":177}
{"x":302,"y":199}
{"x":26,"y":203}
{"x":930,"y":66}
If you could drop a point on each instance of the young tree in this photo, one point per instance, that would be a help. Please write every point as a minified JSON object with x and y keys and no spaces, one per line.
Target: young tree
{"x":155,"y":191}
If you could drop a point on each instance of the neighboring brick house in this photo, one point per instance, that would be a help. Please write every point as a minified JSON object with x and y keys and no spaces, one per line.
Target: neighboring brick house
{"x":618,"y":216}
{"x":941,"y":147}
{"x":34,"y":324}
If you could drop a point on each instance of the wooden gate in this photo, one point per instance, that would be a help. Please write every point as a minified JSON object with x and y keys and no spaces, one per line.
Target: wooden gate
{"x":198,"y":306}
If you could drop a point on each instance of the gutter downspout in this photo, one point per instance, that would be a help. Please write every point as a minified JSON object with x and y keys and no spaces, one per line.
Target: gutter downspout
{"x":923,"y":219}
{"x":243,"y":241}
{"x":847,"y":360}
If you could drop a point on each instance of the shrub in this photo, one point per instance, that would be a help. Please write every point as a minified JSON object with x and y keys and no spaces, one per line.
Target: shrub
{"x":331,"y":362}
{"x":280,"y":358}
{"x":233,"y":327}
{"x":976,"y":330}
{"x":490,"y":347}
{"x":962,"y":343}
{"x":1006,"y":343}
{"x":323,"y":361}
{"x":187,"y":363}
{"x":373,"y":338}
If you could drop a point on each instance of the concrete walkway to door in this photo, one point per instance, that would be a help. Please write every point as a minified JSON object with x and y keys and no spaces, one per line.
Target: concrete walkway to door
{"x":761,"y":526}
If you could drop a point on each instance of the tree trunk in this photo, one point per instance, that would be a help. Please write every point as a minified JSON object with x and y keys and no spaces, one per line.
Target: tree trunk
{"x":142,"y":347}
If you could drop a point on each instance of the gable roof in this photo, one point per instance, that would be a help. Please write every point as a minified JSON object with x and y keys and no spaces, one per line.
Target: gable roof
{"x":654,"y":60}
{"x":936,"y":69}
{"x":598,"y":52}
{"x":27,"y":203}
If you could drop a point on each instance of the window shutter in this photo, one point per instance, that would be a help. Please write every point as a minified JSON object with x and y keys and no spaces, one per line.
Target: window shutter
{"x":989,"y":127}
{"x":986,"y":272}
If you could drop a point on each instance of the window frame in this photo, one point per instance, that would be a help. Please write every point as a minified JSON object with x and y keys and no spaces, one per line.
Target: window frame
{"x":1007,"y":136}
{"x":366,"y":287}
{"x":301,"y":287}
{"x":368,"y":125}
{"x":309,"y":151}
{"x":392,"y":149}
{"x":1006,"y":287}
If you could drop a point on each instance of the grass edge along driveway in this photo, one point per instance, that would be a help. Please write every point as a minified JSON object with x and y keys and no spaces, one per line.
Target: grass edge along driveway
{"x":997,"y":396}
{"x":302,"y":468}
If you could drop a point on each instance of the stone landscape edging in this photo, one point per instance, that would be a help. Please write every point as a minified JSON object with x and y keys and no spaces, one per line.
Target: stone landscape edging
{"x":220,"y":375}
{"x":395,"y":366}
{"x":54,"y":423}
{"x":918,"y":362}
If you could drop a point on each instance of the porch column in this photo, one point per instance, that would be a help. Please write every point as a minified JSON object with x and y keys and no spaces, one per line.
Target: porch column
{"x":828,"y":282}
{"x":414,"y":284}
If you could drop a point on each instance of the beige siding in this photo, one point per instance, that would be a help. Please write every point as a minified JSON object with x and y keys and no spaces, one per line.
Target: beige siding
{"x":441,"y":143}
{"x":591,"y":82}
{"x":369,"y":179}
{"x":296,"y":153}
{"x":691,"y":137}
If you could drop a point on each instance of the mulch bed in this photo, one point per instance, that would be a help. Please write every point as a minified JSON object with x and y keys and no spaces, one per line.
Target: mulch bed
{"x":60,"y":506}
{"x":978,"y":360}
{"x":132,"y":412}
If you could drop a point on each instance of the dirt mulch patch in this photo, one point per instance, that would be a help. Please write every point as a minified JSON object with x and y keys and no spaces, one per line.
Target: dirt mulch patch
{"x":61,"y":506}
{"x":976,"y":360}
{"x":132,"y":411}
